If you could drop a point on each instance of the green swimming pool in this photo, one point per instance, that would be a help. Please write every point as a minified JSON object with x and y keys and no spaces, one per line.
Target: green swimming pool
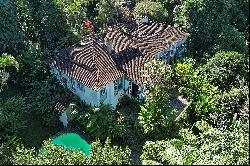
{"x":73,"y":141}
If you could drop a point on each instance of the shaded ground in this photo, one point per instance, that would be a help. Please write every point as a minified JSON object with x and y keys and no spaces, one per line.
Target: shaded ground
{"x":34,"y":132}
{"x":178,"y":103}
{"x":9,"y":92}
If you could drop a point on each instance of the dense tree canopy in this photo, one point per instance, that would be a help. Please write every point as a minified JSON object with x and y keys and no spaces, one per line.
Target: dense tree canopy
{"x":211,"y":146}
{"x":224,"y":68}
{"x":211,"y":21}
{"x":153,"y":10}
{"x":195,"y":109}
{"x":54,"y":155}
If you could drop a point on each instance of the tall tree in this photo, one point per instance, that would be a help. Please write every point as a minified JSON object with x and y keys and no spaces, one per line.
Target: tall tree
{"x":205,"y":21}
{"x":11,"y":35}
{"x":153,"y":10}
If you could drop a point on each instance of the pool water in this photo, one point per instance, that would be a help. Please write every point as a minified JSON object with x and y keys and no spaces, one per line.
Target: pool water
{"x":73,"y":141}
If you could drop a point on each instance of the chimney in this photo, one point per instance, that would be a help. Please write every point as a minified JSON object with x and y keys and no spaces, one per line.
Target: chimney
{"x":109,"y":45}
{"x":88,"y":25}
{"x":144,"y":19}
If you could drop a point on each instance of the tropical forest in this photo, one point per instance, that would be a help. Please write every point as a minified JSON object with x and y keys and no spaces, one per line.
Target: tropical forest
{"x":192,"y":110}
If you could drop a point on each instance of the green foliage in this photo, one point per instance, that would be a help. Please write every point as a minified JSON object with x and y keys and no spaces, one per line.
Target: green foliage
{"x":211,"y":146}
{"x":206,"y":102}
{"x":42,"y":99}
{"x":74,"y":12}
{"x":4,"y":76}
{"x":10,"y":121}
{"x":224,"y":67}
{"x":154,"y":121}
{"x":232,"y":101}
{"x":31,"y":63}
{"x":6,"y":150}
{"x":232,"y":104}
{"x":126,"y":101}
{"x":206,"y":21}
{"x":168,"y":6}
{"x":153,"y":116}
{"x":105,"y":122}
{"x":106,"y":12}
{"x":154,"y":10}
{"x":34,"y":30}
{"x":230,"y":39}
{"x":6,"y":61}
{"x":193,"y":86}
{"x":11,"y":35}
{"x":159,"y":84}
{"x":110,"y":155}
{"x":102,"y":122}
{"x":55,"y":155}
{"x":48,"y":22}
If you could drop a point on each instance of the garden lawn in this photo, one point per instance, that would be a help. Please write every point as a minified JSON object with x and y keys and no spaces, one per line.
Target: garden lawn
{"x":34,"y":133}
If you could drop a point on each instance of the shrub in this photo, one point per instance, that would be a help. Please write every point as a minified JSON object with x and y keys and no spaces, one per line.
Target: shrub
{"x":6,"y":150}
{"x":196,"y":89}
{"x":230,"y":39}
{"x":6,"y":62}
{"x":232,"y":101}
{"x":211,"y":146}
{"x":106,"y":12}
{"x":10,"y":120}
{"x":104,"y":122}
{"x":126,"y":101}
{"x":153,"y":10}
{"x":56,"y":155}
{"x":31,"y":63}
{"x":153,"y":115}
{"x":224,"y":67}
{"x":74,"y":12}
{"x":155,"y":122}
{"x":101,"y":122}
{"x":11,"y":35}
{"x":200,"y":18}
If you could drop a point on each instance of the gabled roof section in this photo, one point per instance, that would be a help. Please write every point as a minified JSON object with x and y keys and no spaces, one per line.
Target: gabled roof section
{"x":88,"y":62}
{"x":141,"y":46}
{"x":63,"y":103}
{"x":120,"y":40}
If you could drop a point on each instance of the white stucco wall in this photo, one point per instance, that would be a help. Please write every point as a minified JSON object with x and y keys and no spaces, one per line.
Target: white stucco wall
{"x":64,"y":119}
{"x":94,"y":98}
{"x":86,"y":94}
{"x":164,"y":54}
{"x":113,"y":98}
{"x":91,"y":96}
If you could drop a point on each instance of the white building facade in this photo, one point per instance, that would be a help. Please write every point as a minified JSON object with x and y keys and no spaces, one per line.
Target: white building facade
{"x":112,"y":92}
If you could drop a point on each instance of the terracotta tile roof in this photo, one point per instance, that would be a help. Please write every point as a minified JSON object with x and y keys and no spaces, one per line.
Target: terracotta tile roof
{"x":141,"y":46}
{"x":90,"y":63}
{"x":63,"y":103}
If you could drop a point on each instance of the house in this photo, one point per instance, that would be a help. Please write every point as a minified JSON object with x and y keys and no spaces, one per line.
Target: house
{"x":104,"y":67}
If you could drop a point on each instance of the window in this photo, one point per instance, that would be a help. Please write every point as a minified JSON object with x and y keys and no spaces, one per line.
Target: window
{"x":118,"y":85}
{"x":64,"y":81}
{"x":103,"y":91}
{"x":73,"y":85}
{"x":172,"y":53}
{"x":80,"y":87}
{"x":115,"y":87}
{"x":103,"y":95}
